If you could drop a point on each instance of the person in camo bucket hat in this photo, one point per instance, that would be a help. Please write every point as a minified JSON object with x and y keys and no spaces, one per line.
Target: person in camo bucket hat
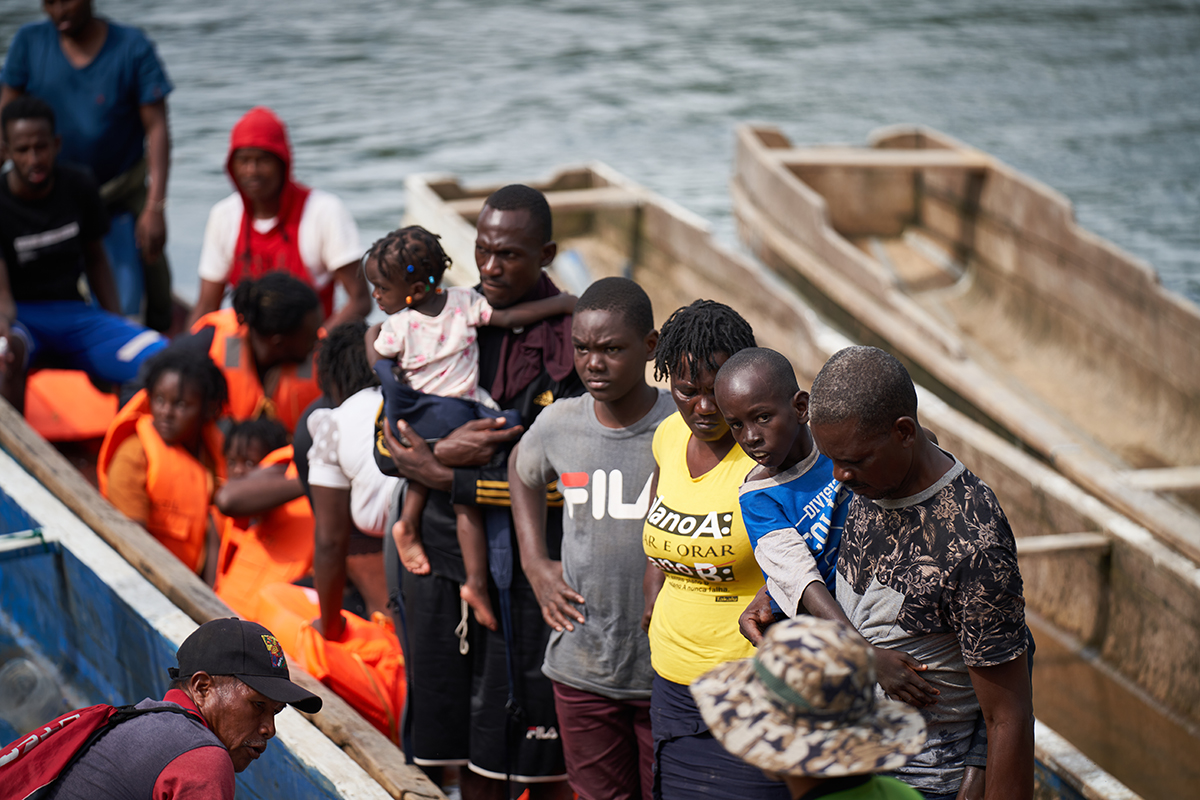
{"x":805,"y":709}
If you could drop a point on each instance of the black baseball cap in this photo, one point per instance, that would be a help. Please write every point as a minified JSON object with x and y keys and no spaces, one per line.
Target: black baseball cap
{"x":248,"y":652}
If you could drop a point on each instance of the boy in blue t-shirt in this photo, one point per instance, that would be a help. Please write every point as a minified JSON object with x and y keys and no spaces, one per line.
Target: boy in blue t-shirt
{"x":793,"y":508}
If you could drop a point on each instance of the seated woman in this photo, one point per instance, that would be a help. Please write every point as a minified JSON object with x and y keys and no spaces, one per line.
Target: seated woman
{"x":264,"y":345}
{"x":268,"y":531}
{"x":161,"y":459}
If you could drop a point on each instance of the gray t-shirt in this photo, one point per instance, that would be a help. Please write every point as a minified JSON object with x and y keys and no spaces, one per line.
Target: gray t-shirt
{"x":604,"y":475}
{"x":935,"y":575}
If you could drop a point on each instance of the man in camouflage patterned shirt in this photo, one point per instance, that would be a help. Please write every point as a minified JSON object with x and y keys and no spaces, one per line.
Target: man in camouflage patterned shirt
{"x":928,"y":565}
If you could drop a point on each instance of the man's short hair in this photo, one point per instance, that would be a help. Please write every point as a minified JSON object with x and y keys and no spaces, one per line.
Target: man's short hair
{"x":865,"y":384}
{"x":26,"y":106}
{"x":622,"y":296}
{"x":770,"y":365}
{"x":518,"y":197}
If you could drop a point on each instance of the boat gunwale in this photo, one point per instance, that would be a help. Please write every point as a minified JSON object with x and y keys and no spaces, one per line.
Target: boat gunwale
{"x":888,"y":314}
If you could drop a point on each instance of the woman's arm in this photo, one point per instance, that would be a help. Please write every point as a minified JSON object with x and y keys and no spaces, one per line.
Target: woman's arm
{"x":258,"y":492}
{"x":331,"y":513}
{"x":358,"y":296}
{"x":653,"y":579}
{"x":209,"y":300}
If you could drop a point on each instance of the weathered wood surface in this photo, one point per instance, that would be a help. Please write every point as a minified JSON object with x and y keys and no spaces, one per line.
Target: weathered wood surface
{"x":378,"y":757}
{"x":1051,"y":335}
{"x":1116,"y":587}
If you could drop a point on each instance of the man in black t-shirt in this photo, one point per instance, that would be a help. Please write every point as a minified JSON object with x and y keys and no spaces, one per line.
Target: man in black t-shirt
{"x":51,"y":228}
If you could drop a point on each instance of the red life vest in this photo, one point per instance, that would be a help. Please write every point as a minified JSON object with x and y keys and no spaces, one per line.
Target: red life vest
{"x":279,"y":248}
{"x":179,"y":487}
{"x":289,"y":387}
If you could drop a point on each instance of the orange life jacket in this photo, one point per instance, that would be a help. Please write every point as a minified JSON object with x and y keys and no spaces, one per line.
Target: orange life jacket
{"x":290,"y":387}
{"x":365,"y":667}
{"x":179,"y":486}
{"x":276,"y":548}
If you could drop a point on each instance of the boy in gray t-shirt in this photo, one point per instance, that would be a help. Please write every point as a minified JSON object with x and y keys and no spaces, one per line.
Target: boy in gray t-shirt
{"x":598,"y":448}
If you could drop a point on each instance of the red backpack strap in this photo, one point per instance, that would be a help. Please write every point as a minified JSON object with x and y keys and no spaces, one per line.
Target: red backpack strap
{"x":30,"y":766}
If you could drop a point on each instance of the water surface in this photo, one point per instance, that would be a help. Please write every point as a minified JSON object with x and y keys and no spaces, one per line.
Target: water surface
{"x":1097,"y":99}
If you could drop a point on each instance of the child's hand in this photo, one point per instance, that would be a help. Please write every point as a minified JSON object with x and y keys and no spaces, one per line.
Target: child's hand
{"x":897,"y":674}
{"x":757,"y":617}
{"x":568,"y":302}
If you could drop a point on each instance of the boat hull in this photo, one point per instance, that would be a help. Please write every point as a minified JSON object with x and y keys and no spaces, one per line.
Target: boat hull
{"x":980,"y":281}
{"x":83,"y":628}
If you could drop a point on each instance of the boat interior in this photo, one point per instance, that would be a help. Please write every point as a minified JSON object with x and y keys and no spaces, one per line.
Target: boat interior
{"x":997,"y":264}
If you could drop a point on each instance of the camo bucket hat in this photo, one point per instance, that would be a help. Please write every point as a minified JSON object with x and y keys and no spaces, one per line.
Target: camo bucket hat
{"x":806,"y":705}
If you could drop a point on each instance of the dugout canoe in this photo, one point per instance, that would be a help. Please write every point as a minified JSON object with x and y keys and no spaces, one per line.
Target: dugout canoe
{"x":90,"y":597}
{"x":979,"y":279}
{"x":1092,"y":573}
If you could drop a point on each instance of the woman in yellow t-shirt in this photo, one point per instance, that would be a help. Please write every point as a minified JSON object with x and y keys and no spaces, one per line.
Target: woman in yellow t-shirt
{"x":701,"y":572}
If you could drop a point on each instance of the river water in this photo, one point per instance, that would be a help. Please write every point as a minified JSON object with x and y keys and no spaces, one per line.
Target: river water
{"x":1098,"y":99}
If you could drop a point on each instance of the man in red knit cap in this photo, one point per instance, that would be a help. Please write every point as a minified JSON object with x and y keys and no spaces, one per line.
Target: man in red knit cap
{"x":274,"y":223}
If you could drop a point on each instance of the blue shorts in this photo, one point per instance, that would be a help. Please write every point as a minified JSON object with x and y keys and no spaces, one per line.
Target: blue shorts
{"x":73,"y":335}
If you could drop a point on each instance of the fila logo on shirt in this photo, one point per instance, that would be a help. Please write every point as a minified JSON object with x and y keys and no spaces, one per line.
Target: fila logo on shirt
{"x":607,"y":493}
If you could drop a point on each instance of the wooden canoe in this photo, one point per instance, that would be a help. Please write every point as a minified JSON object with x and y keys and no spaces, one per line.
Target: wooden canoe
{"x":92,"y":573}
{"x":979,"y":279}
{"x":1091,"y":572}
{"x":80,"y":626}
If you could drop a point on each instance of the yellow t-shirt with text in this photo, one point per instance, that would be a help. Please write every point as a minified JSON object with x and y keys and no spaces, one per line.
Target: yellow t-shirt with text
{"x":694,"y":533}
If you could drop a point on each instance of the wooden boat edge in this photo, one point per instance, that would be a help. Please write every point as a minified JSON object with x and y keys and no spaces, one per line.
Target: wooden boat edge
{"x":765,"y":194}
{"x":337,"y":721}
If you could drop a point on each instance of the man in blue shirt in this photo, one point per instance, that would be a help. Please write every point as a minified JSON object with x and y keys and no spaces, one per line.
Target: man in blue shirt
{"x":108,"y":91}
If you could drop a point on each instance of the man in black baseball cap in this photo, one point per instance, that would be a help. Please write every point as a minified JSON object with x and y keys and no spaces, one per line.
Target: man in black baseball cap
{"x":231,"y":681}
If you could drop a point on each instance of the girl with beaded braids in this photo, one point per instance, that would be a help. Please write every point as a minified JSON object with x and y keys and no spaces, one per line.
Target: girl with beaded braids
{"x":701,"y":571}
{"x":427,"y":359}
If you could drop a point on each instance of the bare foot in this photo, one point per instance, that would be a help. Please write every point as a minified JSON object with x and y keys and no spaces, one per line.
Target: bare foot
{"x":408,"y":545}
{"x":477,"y":599}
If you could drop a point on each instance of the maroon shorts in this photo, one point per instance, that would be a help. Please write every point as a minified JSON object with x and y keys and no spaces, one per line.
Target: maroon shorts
{"x":606,"y":743}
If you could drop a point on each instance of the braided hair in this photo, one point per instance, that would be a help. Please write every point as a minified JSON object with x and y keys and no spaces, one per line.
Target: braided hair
{"x":195,"y":369}
{"x":698,"y":333}
{"x":342,"y":366}
{"x":410,"y":255}
{"x":276,"y":303}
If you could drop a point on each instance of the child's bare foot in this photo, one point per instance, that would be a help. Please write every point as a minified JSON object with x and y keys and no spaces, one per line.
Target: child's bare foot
{"x":477,"y":599}
{"x":408,"y":545}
